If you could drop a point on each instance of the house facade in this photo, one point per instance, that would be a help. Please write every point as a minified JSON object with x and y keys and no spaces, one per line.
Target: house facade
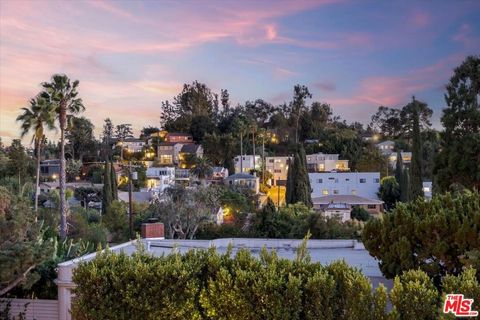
{"x":168,"y":153}
{"x":132,"y":145}
{"x":244,"y":180}
{"x":341,"y":211}
{"x":385,"y":147}
{"x":50,"y":169}
{"x":247,"y":163}
{"x":364,"y":184}
{"x":160,"y":178}
{"x":373,"y":206}
{"x":321,"y":162}
{"x":278,"y":167}
{"x":178,"y":137}
{"x":187,"y":150}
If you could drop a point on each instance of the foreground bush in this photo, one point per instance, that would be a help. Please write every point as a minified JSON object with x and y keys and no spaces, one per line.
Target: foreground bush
{"x":440,"y":236}
{"x":203,"y":284}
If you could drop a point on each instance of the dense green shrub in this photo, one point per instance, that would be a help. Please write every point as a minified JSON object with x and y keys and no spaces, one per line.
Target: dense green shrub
{"x":203,"y":284}
{"x":440,"y":236}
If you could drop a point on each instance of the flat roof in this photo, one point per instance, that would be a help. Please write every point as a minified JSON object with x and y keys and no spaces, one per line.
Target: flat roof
{"x":323,"y":251}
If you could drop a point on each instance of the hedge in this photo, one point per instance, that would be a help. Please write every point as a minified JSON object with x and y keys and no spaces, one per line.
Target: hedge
{"x":204,"y":284}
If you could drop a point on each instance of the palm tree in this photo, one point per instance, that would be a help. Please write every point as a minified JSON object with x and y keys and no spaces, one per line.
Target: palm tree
{"x":63,"y":96}
{"x":38,"y":117}
{"x":202,"y":168}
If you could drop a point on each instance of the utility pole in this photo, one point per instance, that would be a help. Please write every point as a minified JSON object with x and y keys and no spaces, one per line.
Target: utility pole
{"x":254,"y":167}
{"x":241,"y":152}
{"x":130,"y":202}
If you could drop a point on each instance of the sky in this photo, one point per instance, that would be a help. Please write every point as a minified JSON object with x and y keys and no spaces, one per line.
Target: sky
{"x":129,"y":56}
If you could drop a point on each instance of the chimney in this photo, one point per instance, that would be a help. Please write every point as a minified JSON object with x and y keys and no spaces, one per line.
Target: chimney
{"x":152,"y":230}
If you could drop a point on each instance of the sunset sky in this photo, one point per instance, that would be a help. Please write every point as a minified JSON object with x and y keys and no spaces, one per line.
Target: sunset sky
{"x":131,"y":55}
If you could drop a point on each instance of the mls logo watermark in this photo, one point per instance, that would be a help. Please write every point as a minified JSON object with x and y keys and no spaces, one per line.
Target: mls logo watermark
{"x":459,"y":306}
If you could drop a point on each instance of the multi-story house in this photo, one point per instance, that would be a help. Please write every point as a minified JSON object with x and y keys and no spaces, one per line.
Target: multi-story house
{"x":132,"y":144}
{"x":247,"y":163}
{"x":178,"y":137}
{"x":168,"y":152}
{"x":321,"y":162}
{"x":278,"y":167}
{"x":160,"y":178}
{"x":188,"y":150}
{"x":364,"y":184}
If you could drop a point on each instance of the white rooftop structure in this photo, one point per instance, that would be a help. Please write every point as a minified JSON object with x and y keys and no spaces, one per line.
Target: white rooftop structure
{"x":364,"y":184}
{"x":323,"y":251}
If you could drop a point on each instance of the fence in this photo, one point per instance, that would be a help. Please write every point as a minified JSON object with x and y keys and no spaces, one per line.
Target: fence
{"x":37,"y":309}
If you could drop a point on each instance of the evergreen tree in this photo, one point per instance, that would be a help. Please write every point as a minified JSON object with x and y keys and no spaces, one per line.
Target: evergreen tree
{"x":415,"y":183}
{"x":304,"y":191}
{"x":265,"y":224}
{"x":290,"y":182}
{"x":113,"y":181}
{"x":405,"y":194}
{"x":458,"y":160}
{"x":298,"y":183}
{"x":107,"y":188}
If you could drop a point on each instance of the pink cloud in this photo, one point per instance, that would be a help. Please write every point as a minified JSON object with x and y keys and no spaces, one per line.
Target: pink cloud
{"x":465,"y":35}
{"x":420,"y":19}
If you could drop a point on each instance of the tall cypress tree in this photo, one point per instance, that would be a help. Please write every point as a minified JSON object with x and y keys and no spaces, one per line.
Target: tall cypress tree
{"x":298,"y":183}
{"x":290,"y":181}
{"x":400,"y":172}
{"x":113,"y":181}
{"x":415,"y":182}
{"x":304,"y":189}
{"x":405,"y":193}
{"x":107,"y":188}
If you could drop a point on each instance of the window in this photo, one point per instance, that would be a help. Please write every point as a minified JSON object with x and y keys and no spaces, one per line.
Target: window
{"x":371,"y":206}
{"x":347,"y":179}
{"x":325,"y":192}
{"x":335,"y":192}
{"x":376,"y":180}
{"x":278,"y":171}
{"x":331,"y":178}
{"x":270,"y":160}
{"x":363,"y":180}
{"x":354,"y":192}
{"x":336,"y":180}
{"x":320,"y":180}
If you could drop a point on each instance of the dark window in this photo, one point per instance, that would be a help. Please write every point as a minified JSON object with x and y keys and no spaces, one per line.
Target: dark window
{"x":371,"y":206}
{"x":376,"y":180}
{"x":363,"y":180}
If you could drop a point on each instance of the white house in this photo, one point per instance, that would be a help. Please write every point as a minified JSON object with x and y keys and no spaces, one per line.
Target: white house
{"x":244,"y":180}
{"x":364,"y":184}
{"x":321,"y":162}
{"x":340,"y":210}
{"x":160,"y":178}
{"x":278,"y":167}
{"x":132,"y":144}
{"x":246,"y":163}
{"x":385,"y":147}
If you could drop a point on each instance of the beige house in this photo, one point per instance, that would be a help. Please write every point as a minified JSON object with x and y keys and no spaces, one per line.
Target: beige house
{"x":373,"y":206}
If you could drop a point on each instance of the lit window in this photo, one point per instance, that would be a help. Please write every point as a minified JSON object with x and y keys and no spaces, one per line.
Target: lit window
{"x":325,"y":192}
{"x":354,"y":191}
